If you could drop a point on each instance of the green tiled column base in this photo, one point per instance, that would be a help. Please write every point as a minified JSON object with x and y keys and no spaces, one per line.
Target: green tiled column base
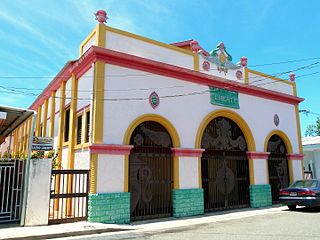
{"x":260,"y":195}
{"x":109,"y":207}
{"x":187,"y":202}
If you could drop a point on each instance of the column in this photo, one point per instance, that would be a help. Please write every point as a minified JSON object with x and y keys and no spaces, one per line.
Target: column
{"x":187,"y":195}
{"x":111,"y":202}
{"x":295,"y":162}
{"x":260,"y":189}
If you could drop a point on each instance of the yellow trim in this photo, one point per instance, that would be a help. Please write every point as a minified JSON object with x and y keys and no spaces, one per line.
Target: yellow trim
{"x":98,"y":118}
{"x":76,"y":130}
{"x":174,"y":137}
{"x":156,"y":118}
{"x":45,"y":116}
{"x":296,"y":108}
{"x":88,"y":38}
{"x":246,"y":75}
{"x":269,"y":76}
{"x":72,"y":120}
{"x":176,"y":182}
{"x":93,"y":173}
{"x":288,"y":144}
{"x":196,"y":62}
{"x":101,"y":35}
{"x":52,"y":113}
{"x":38,"y":122}
{"x":61,"y":120}
{"x":126,"y":174}
{"x":81,"y":146}
{"x":199,"y":173}
{"x":242,"y":125}
{"x":284,"y":138}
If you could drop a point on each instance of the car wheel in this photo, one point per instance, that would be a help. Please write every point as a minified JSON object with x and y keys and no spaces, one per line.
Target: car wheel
{"x":292,"y":207}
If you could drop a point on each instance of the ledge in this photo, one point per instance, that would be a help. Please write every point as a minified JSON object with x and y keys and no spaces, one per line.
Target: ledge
{"x":187,"y":152}
{"x":258,"y":155}
{"x":113,"y":149}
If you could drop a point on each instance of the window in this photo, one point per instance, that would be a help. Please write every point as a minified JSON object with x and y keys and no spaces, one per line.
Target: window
{"x":87,"y":126}
{"x":79,"y":129}
{"x":66,"y":125}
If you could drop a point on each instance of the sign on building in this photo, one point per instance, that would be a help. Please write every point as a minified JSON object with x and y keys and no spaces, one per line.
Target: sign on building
{"x":224,"y":97}
{"x":42,"y":143}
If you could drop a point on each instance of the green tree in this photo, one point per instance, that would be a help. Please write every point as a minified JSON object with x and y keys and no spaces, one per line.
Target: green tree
{"x":313,"y":129}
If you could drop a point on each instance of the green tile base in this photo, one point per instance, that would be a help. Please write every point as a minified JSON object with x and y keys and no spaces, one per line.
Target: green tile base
{"x":109,"y":208}
{"x":187,"y":202}
{"x":260,"y":195}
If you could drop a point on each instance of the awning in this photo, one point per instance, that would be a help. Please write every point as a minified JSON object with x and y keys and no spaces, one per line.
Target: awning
{"x":11,"y":118}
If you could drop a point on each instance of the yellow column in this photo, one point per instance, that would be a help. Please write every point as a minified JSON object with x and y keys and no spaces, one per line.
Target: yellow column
{"x":176,"y":172}
{"x":72,"y":121}
{"x":45,"y":116}
{"x":61,"y":119}
{"x":38,"y":121}
{"x":98,"y":105}
{"x":52,"y":113}
{"x":97,"y":121}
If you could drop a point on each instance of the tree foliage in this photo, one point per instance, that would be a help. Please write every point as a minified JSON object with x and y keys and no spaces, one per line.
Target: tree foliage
{"x":313,"y":129}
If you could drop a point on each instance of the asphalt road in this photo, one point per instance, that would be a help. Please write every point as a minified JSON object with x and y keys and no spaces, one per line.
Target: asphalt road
{"x":300,"y":224}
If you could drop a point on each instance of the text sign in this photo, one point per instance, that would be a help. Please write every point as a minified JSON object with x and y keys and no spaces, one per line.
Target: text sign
{"x":42,"y":143}
{"x":223,"y":97}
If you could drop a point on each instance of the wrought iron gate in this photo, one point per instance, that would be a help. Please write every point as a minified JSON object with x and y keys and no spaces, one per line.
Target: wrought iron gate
{"x":225,"y":179}
{"x":278,"y":166}
{"x":69,"y":196}
{"x":11,"y":186}
{"x":150,"y":172}
{"x":224,"y":166}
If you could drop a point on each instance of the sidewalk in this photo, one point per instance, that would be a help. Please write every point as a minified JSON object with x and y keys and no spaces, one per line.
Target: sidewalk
{"x":85,"y":228}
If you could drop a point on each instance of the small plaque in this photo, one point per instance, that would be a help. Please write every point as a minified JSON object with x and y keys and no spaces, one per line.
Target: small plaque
{"x":154,"y":100}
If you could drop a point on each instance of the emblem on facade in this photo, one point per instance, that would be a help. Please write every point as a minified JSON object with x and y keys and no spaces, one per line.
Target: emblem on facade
{"x":206,"y":66}
{"x":154,"y":100}
{"x":239,"y":75}
{"x":221,"y":58}
{"x":276,"y":120}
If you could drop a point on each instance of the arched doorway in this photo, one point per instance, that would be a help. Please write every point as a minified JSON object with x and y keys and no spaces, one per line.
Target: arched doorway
{"x":150,"y":172}
{"x":224,"y":166}
{"x":277,"y":166}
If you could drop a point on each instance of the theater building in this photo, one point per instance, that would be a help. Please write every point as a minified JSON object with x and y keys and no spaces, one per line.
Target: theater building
{"x":170,"y":129}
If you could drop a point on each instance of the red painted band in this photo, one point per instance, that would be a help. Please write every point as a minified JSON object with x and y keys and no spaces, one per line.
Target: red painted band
{"x":113,"y":149}
{"x":258,"y":155}
{"x":295,"y":156}
{"x":187,"y":152}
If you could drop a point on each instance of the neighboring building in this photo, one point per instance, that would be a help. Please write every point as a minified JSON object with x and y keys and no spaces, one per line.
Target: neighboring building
{"x":169,"y":130}
{"x":311,"y":152}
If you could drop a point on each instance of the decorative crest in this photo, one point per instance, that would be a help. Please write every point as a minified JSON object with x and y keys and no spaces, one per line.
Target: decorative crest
{"x":101,"y":16}
{"x":221,"y":58}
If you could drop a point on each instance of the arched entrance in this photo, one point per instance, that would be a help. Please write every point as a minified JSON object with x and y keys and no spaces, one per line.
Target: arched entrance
{"x":277,"y":166}
{"x":150,"y":172}
{"x":224,"y":166}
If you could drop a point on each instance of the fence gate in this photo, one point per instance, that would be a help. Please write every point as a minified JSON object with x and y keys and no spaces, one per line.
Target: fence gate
{"x":224,"y":166}
{"x":69,"y":196}
{"x":150,"y":172}
{"x":225,"y":179}
{"x":11,"y":187}
{"x":277,"y":166}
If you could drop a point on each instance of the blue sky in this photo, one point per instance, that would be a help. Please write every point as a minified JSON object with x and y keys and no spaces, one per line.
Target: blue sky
{"x":38,"y":37}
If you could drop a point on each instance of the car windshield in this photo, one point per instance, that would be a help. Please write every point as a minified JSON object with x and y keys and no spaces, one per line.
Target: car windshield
{"x":304,"y":184}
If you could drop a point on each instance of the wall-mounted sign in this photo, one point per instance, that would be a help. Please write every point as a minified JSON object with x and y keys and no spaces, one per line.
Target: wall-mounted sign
{"x":154,"y":100}
{"x":42,"y":143}
{"x":276,"y":120}
{"x":223,"y":97}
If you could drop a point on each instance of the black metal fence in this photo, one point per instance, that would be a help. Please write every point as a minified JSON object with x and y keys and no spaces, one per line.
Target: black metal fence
{"x":11,"y":189}
{"x":69,"y":196}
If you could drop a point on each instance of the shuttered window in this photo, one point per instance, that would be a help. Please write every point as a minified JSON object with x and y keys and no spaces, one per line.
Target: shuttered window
{"x":79,"y":129}
{"x":87,"y":126}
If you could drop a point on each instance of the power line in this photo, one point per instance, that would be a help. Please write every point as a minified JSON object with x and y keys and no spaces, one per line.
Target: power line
{"x":284,"y":62}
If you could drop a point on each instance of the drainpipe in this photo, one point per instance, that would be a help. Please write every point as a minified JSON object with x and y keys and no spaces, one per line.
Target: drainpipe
{"x":26,"y":172}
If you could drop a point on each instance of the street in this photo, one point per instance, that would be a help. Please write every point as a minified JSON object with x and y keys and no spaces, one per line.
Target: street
{"x":277,"y":224}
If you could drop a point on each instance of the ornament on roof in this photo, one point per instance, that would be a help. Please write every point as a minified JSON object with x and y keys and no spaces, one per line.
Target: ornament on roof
{"x":221,"y":58}
{"x":101,"y":16}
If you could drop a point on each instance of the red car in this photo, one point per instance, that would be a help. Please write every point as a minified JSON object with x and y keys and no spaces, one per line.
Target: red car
{"x":301,"y":193}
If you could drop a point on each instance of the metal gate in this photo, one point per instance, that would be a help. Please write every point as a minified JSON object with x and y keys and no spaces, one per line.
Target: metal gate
{"x":225,"y":179}
{"x":11,"y":187}
{"x":69,"y":196}
{"x":224,"y":166}
{"x":277,"y":166}
{"x":150,"y":172}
